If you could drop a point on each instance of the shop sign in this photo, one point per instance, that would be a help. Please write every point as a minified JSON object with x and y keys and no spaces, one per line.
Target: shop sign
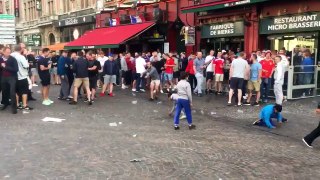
{"x":75,"y":21}
{"x":7,"y":29}
{"x":189,"y":35}
{"x":296,"y":23}
{"x":33,"y":40}
{"x":223,"y":30}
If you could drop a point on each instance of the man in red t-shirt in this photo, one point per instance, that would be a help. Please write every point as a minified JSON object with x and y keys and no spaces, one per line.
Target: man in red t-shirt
{"x":168,"y":73}
{"x":218,"y":70}
{"x":267,"y":71}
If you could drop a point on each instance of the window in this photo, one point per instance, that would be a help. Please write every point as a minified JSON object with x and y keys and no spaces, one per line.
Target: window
{"x":25,"y":11}
{"x":66,"y":6}
{"x":50,"y":7}
{"x":84,"y":4}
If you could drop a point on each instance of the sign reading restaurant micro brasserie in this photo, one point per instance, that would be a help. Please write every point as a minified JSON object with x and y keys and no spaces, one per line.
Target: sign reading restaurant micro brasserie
{"x":222,"y":30}
{"x":296,"y":23}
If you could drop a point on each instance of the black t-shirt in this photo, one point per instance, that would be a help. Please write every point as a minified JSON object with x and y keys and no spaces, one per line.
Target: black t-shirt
{"x":54,"y":60}
{"x":94,"y":73}
{"x":32,"y":61}
{"x":45,"y":62}
{"x":159,"y":64}
{"x":81,"y":68}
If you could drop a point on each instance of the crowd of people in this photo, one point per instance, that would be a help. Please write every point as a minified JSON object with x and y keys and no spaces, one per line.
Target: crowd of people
{"x":246,"y":78}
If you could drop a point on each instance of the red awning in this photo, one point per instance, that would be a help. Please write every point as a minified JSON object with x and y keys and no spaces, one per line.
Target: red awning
{"x":110,"y":37}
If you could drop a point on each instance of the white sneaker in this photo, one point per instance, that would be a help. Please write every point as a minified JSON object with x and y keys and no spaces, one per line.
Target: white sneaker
{"x":134,"y":90}
{"x":183,"y":117}
{"x":34,"y":85}
{"x":70,"y":97}
{"x":310,"y":146}
{"x":123,"y":86}
{"x":142,"y":90}
{"x":161,"y":91}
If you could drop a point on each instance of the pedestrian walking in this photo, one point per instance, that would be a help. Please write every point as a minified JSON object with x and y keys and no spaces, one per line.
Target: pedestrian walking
{"x":308,"y":139}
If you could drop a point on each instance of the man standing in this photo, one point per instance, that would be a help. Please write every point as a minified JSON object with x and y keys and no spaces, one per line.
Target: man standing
{"x":54,"y":60}
{"x":140,"y":69}
{"x":219,"y":71}
{"x":62,"y":72}
{"x":33,"y":67}
{"x":44,"y":65}
{"x":255,"y":80}
{"x":209,"y":73}
{"x":239,"y":67}
{"x":198,"y":68}
{"x":124,"y":69}
{"x":80,"y":68}
{"x":102,"y":59}
{"x":10,"y":68}
{"x":278,"y":80}
{"x":267,"y":71}
{"x":22,"y":85}
{"x":155,"y":80}
{"x":94,"y":67}
{"x":168,"y":75}
{"x":1,"y":60}
{"x":110,"y":70}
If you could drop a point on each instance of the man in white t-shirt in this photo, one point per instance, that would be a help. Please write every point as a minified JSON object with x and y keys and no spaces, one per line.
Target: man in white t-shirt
{"x":102,"y":59}
{"x":238,"y":70}
{"x":209,"y":75}
{"x":140,"y":69}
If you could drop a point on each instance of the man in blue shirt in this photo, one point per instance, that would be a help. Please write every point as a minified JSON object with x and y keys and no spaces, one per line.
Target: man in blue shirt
{"x":255,"y":80}
{"x":62,"y":72}
{"x":267,"y":113}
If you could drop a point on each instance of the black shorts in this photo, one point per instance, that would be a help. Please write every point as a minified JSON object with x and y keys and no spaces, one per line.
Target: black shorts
{"x":210,"y":75}
{"x":226,"y":75}
{"x":93,"y":82}
{"x":134,"y":76}
{"x":236,"y":83}
{"x":176,"y":74}
{"x":22,"y":86}
{"x":45,"y":80}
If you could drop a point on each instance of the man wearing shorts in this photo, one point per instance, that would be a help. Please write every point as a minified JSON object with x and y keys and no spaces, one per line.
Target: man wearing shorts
{"x":44,"y":65}
{"x":239,"y":67}
{"x":255,"y":80}
{"x":168,"y":75}
{"x":110,"y":70}
{"x":218,"y":69}
{"x":23,"y":73}
{"x":155,"y":80}
{"x":80,"y":68}
{"x":209,"y":71}
{"x":33,"y":68}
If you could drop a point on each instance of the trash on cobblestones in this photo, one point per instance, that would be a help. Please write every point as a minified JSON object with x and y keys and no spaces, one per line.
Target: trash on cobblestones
{"x":135,"y":160}
{"x":159,"y":102}
{"x":213,"y":113}
{"x":202,"y":112}
{"x":38,"y":92}
{"x":194,"y":111}
{"x":240,"y":111}
{"x":133,"y":94}
{"x":134,"y":102}
{"x":7,"y":176}
{"x":113,"y":124}
{"x":134,"y":135}
{"x":25,"y":112}
{"x":155,"y":111}
{"x":50,"y":119}
{"x":120,"y":123}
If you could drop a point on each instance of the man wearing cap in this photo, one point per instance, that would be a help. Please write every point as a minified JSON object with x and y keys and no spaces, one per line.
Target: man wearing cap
{"x":266,"y":115}
{"x":268,"y":67}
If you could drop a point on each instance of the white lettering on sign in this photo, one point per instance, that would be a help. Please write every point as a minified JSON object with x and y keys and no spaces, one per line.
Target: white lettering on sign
{"x":295,"y":22}
{"x":71,"y":21}
{"x":222,"y":29}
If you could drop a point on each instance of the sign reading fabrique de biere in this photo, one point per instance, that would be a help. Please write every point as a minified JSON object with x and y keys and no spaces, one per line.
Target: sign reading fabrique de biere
{"x":297,"y":23}
{"x":222,"y":30}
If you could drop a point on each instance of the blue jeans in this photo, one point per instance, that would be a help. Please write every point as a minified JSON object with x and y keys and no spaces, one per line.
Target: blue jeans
{"x":265,"y":88}
{"x":183,"y":104}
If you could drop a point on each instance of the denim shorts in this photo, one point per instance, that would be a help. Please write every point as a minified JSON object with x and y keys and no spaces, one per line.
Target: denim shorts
{"x":168,"y":77}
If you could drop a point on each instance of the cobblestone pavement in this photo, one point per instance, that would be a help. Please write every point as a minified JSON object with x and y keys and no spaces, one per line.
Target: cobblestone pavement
{"x":224,"y":145}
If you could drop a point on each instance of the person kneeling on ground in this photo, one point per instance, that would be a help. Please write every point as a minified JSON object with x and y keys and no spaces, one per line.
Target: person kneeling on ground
{"x":184,"y":101}
{"x":267,"y":113}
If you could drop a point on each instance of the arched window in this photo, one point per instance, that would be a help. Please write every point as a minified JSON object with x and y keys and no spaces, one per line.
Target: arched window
{"x":52,"y":39}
